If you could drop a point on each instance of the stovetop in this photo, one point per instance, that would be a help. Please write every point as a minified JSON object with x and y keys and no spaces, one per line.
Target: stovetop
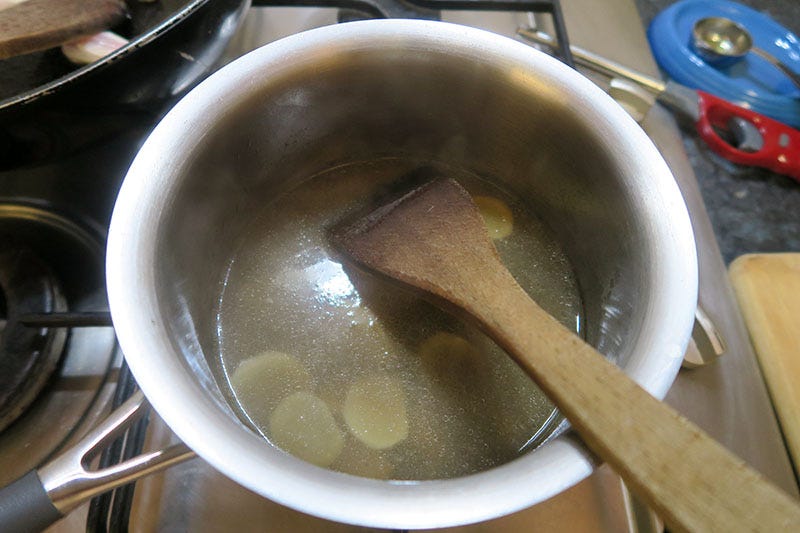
{"x":726,"y":397}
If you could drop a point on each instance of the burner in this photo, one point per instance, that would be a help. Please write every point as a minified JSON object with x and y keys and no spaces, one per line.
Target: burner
{"x":49,"y":264}
{"x":28,"y":355}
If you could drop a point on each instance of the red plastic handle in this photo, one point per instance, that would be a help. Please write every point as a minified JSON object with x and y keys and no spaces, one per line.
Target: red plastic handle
{"x":780,"y":151}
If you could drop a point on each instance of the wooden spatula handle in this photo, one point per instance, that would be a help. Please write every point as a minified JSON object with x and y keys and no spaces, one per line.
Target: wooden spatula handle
{"x":434,"y":240}
{"x":690,"y":480}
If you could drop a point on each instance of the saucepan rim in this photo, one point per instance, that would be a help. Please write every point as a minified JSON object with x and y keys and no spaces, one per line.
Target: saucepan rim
{"x":242,"y":455}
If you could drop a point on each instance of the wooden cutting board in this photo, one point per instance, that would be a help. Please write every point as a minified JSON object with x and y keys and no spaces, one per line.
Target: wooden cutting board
{"x":767,"y":287}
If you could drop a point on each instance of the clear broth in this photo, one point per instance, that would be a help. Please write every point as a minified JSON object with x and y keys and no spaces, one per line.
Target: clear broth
{"x":287,"y":290}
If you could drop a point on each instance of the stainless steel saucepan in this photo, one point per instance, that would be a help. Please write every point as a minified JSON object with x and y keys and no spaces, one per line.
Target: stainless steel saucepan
{"x":352,"y":92}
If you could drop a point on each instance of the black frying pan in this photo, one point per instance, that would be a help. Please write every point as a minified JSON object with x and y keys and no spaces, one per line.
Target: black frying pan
{"x":49,"y":108}
{"x":31,"y":72}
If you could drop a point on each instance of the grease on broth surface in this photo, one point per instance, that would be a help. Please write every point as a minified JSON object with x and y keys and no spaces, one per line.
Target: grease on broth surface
{"x":399,"y":388}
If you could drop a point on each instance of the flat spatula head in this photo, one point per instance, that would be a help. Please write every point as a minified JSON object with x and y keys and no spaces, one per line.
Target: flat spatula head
{"x":433,"y":239}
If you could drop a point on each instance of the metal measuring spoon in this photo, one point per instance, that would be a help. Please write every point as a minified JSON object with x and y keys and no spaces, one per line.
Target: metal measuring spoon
{"x":720,"y":37}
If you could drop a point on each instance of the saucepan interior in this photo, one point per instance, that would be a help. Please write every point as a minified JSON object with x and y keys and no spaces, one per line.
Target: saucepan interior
{"x":446,"y":94}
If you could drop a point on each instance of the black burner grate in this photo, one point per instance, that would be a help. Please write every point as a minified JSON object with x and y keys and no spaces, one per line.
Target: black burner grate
{"x":28,"y":356}
{"x":431,"y":10}
{"x":66,"y":320}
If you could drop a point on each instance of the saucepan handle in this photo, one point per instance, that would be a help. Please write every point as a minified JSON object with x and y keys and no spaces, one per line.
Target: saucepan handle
{"x":26,"y":506}
{"x":42,"y":496}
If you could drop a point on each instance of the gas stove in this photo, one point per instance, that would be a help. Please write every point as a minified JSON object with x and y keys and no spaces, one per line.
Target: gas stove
{"x":61,"y":230}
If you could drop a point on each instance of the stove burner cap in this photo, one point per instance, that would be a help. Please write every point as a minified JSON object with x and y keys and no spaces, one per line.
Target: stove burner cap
{"x":28,"y":355}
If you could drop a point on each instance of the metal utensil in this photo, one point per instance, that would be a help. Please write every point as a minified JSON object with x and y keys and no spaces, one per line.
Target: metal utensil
{"x":751,"y":138}
{"x":719,"y":37}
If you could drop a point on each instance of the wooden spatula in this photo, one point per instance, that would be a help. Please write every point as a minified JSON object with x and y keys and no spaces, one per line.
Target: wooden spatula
{"x":434,"y":239}
{"x":35,"y":25}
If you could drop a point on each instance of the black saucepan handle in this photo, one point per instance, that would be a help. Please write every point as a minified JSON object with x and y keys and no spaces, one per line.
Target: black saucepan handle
{"x":25,"y":506}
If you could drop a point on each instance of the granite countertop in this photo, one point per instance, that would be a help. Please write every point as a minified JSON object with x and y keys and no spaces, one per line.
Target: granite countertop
{"x":752,"y":210}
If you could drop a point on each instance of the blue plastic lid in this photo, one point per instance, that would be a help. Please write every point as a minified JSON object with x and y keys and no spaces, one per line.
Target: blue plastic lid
{"x":751,"y":82}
